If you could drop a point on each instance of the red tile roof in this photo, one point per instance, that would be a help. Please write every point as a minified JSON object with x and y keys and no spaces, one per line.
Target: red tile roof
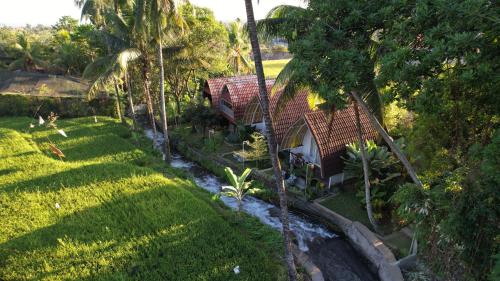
{"x":293,"y":110}
{"x":239,"y":94}
{"x":332,"y":136}
{"x":213,"y":87}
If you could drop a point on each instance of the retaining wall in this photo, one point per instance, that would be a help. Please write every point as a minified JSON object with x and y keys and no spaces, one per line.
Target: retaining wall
{"x":365,"y":241}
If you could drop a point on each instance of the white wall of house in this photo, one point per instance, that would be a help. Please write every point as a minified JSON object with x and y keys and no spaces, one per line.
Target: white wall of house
{"x":309,"y":149}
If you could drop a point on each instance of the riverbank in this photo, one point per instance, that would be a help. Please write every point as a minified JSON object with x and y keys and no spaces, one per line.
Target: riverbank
{"x":335,"y":257}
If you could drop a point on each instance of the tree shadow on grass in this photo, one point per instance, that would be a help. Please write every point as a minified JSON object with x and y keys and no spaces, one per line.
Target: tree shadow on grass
{"x":77,"y":177}
{"x":160,"y":234}
{"x":6,"y":172}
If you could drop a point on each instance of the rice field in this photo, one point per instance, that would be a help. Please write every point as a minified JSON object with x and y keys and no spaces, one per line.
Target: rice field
{"x":273,"y":67}
{"x":107,"y":212}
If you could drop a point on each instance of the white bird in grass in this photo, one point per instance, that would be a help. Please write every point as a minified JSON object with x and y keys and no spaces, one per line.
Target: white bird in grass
{"x":236,"y":269}
{"x":40,"y":120}
{"x":58,"y":206}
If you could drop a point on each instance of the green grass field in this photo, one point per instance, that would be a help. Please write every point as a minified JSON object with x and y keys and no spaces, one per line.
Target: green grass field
{"x":273,"y":67}
{"x":347,"y":204}
{"x":119,"y":217}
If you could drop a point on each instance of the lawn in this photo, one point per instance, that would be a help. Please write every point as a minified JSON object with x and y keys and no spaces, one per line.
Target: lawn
{"x":273,"y":67}
{"x":107,"y":213}
{"x":347,"y":204}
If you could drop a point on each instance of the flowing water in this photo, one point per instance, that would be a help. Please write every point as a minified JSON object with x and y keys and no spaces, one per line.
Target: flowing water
{"x":336,"y":258}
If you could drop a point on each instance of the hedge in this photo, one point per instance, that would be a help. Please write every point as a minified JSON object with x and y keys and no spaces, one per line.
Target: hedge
{"x":21,"y":105}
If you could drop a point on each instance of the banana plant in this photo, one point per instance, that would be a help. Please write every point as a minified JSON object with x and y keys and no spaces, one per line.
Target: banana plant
{"x":239,"y":186}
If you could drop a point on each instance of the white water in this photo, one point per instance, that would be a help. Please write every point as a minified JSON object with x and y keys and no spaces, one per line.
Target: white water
{"x":304,"y":230}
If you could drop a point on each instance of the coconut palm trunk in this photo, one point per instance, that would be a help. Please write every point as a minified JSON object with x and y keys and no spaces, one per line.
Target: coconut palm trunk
{"x":271,"y":138}
{"x":118,"y":105}
{"x":163,"y":110}
{"x":149,"y":101}
{"x":130,"y":100}
{"x":366,"y":174}
{"x":394,"y":148}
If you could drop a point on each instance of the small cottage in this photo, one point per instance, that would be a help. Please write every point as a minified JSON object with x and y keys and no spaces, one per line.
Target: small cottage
{"x":282,"y":120}
{"x":316,"y":139}
{"x":235,"y":97}
{"x":212,"y":88}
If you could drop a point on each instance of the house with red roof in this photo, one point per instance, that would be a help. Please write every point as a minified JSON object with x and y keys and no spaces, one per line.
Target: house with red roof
{"x":310,"y":137}
{"x":235,"y":98}
{"x":212,"y":88}
{"x":283,"y":118}
{"x":320,"y":140}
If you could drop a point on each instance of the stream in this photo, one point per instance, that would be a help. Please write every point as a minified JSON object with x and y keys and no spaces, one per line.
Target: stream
{"x":332,"y":254}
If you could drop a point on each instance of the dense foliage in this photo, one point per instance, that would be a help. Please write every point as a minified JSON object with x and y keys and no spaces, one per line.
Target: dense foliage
{"x":385,"y":173}
{"x":439,"y":62}
{"x":65,"y":48}
{"x":13,"y":105}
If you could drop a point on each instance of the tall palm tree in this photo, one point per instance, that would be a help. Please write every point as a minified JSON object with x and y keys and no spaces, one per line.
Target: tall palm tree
{"x":161,"y":11}
{"x":115,"y":29}
{"x":239,"y":50}
{"x":152,"y":18}
{"x":271,"y":137}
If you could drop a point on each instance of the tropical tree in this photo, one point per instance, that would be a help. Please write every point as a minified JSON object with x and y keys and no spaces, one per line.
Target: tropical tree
{"x":152,"y":20}
{"x":29,"y":56}
{"x":269,"y":131}
{"x":110,"y":68}
{"x":196,"y":54}
{"x":75,"y":46}
{"x":441,"y":61}
{"x":278,"y":23}
{"x":239,"y":49}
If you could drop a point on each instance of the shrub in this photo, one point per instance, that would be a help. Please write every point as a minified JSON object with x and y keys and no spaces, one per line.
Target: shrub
{"x":386,"y":174}
{"x":17,"y":105}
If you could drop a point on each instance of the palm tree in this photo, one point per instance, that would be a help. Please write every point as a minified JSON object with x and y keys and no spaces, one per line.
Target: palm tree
{"x":108,"y":70}
{"x":121,"y":51}
{"x":366,"y":175}
{"x":28,"y":55}
{"x":152,"y":18}
{"x":273,"y":26}
{"x":264,"y":101}
{"x":160,"y":12}
{"x":239,"y":49}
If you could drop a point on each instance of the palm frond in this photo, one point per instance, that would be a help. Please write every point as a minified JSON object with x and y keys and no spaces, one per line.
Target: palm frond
{"x":287,"y":82}
{"x":272,"y":25}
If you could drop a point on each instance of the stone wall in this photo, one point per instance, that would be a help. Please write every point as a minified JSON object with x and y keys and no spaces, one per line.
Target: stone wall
{"x":367,"y":243}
